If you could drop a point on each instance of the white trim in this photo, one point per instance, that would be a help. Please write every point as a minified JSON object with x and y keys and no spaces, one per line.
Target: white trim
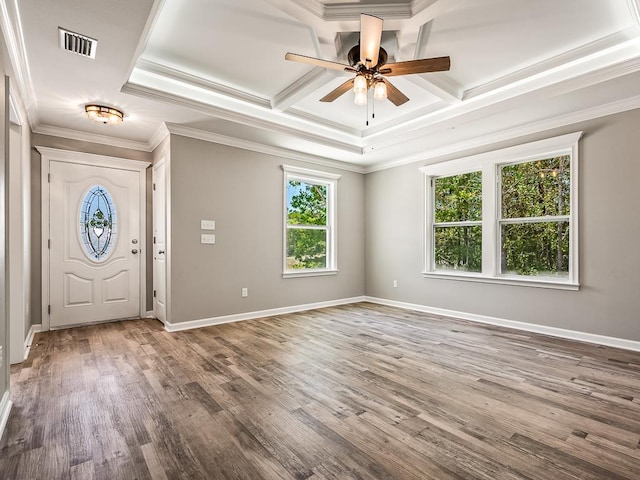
{"x":5,"y":410}
{"x":161,"y":133}
{"x":92,"y":137}
{"x":29,"y":340}
{"x":486,"y":141}
{"x":207,"y":322}
{"x":330,"y":180}
{"x":190,"y":132}
{"x":309,"y":273}
{"x":528,"y":327}
{"x":47,"y":155}
{"x":543,"y":282}
{"x":489,"y":164}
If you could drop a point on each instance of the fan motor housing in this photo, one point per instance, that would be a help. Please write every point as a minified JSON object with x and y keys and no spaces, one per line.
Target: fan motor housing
{"x":354,"y":56}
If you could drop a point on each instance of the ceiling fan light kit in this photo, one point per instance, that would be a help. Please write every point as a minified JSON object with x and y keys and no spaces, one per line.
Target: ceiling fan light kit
{"x":368,"y":60}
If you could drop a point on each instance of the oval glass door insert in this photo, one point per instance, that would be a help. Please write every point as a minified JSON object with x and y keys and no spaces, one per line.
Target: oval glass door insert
{"x":98,"y":223}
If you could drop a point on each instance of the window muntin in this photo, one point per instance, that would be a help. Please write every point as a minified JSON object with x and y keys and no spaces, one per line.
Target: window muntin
{"x":457,"y":226}
{"x":535,"y":217}
{"x":529,"y":192}
{"x":98,"y":223}
{"x":310,"y":236}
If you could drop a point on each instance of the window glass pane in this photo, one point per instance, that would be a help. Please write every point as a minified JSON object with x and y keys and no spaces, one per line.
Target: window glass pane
{"x":458,"y":248}
{"x":536,"y":189}
{"x":536,"y":249}
{"x":306,"y":248}
{"x":98,"y":223}
{"x":306,"y":203}
{"x":458,"y":198}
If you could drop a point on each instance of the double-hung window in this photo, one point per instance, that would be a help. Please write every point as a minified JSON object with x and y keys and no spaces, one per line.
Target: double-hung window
{"x":507,"y":216}
{"x":309,"y":222}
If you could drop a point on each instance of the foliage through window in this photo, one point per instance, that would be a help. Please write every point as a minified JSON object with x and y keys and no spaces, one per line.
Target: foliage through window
{"x":457,"y":226}
{"x":535,"y":215}
{"x":511,"y":216}
{"x":98,"y":223}
{"x":309,"y":220}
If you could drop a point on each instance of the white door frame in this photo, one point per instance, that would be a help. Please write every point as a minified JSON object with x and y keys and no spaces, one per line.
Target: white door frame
{"x":54,"y":154}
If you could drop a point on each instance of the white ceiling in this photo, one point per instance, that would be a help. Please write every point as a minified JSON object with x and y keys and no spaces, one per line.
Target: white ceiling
{"x":215,"y":69}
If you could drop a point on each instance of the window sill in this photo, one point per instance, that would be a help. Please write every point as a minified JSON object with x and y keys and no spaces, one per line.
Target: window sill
{"x":308,"y":273}
{"x":506,"y":280}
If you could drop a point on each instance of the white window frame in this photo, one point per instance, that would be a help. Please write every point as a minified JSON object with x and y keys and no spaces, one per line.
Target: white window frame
{"x":330,"y":180}
{"x":489,"y":164}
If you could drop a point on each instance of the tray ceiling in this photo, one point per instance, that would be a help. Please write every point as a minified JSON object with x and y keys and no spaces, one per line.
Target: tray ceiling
{"x":216,"y":69}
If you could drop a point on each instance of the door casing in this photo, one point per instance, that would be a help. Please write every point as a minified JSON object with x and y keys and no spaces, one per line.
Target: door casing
{"x":53,"y":154}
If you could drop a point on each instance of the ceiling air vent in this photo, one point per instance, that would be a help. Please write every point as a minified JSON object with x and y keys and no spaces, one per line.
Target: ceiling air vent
{"x":76,"y":43}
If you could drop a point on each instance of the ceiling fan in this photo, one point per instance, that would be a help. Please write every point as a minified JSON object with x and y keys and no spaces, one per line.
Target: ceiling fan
{"x":368,"y":60}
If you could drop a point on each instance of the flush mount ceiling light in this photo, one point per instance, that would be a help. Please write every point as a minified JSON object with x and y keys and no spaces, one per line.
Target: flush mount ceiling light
{"x":102,"y":114}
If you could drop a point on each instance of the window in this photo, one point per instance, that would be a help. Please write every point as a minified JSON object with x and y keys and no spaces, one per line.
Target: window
{"x":309,"y":222}
{"x":97,"y":223}
{"x":508,"y":216}
{"x":457,"y":226}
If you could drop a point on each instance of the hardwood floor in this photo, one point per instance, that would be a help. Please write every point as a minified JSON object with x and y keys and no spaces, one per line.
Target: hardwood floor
{"x":360,"y":391}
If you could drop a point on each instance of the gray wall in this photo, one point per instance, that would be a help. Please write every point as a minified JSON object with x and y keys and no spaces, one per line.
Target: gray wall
{"x":607,"y":303}
{"x":36,"y":204}
{"x":243,"y":192}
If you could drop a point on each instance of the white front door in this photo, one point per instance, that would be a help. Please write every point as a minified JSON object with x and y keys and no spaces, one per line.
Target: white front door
{"x":159,"y":243}
{"x":95,"y":249}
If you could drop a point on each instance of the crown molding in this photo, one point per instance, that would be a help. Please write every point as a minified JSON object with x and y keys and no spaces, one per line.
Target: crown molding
{"x":634,"y":8}
{"x":302,"y":132}
{"x":229,"y":141}
{"x":558,"y":121}
{"x":311,"y":80}
{"x":14,"y":39}
{"x":158,"y":136}
{"x":199,"y":82}
{"x":540,"y":69}
{"x":154,"y":15}
{"x":92,"y":137}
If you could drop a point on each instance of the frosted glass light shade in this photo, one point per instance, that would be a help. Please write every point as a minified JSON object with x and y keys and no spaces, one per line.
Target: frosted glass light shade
{"x":380,"y":90}
{"x":360,"y":84}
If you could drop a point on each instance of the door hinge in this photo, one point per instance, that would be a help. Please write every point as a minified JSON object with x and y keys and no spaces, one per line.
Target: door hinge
{"x":154,"y":240}
{"x":49,"y":309}
{"x":49,"y":243}
{"x":49,"y":177}
{"x":154,"y":294}
{"x":154,"y":186}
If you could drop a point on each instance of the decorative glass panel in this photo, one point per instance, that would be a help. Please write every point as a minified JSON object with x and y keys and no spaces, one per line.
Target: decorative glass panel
{"x":98,"y":223}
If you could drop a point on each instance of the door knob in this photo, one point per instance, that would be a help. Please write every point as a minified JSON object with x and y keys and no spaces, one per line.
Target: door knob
{"x":160,"y":252}
{"x":134,"y":251}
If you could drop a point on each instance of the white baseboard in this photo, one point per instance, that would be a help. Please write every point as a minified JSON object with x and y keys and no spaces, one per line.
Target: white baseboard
{"x":5,"y":410}
{"x":207,"y":322}
{"x":149,"y":314}
{"x":529,"y":327}
{"x":29,"y":340}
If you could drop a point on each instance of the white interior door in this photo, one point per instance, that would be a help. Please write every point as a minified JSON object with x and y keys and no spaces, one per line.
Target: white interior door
{"x":95,"y":249}
{"x":159,"y":243}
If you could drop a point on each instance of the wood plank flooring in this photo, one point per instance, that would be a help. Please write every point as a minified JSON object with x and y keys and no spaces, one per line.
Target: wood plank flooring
{"x":355,"y":392}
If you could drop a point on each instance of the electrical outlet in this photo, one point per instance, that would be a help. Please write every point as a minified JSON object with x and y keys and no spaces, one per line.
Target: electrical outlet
{"x":245,"y":292}
{"x":395,"y":284}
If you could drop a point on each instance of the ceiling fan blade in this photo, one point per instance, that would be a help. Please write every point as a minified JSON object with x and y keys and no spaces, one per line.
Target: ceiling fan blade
{"x":394,"y":95}
{"x":341,"y":90}
{"x":318,"y":62}
{"x":426,"y":65}
{"x":370,"y":36}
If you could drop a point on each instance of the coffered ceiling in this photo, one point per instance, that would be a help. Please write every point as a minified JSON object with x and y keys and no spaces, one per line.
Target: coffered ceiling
{"x":215,"y":69}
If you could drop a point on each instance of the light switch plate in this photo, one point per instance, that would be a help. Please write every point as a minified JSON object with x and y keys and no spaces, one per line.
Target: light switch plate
{"x":208,"y":238}
{"x":207,"y":224}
